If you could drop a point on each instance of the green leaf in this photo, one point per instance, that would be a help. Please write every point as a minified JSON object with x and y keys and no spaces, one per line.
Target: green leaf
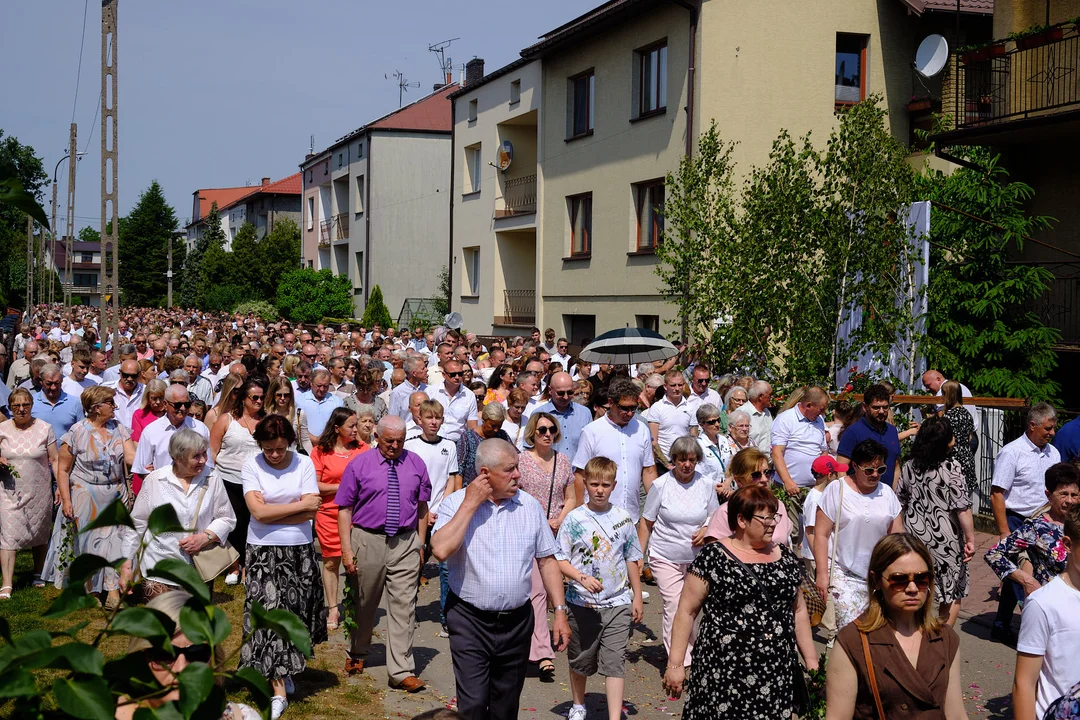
{"x":17,"y":683}
{"x":256,"y":685}
{"x":76,"y":656}
{"x":163,"y":520}
{"x":115,"y":514}
{"x":86,"y":566}
{"x":168,"y":711}
{"x":196,"y":624}
{"x":85,"y":698}
{"x":220,"y":627}
{"x":196,"y":681}
{"x":183,"y":575}
{"x":213,"y":707}
{"x":284,"y":624}
{"x":72,"y":599}
{"x":13,"y":194}
{"x":131,"y":675}
{"x":70,"y":632}
{"x":142,"y":623}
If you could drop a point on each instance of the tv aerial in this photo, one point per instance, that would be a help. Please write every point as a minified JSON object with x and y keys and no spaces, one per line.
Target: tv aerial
{"x":446,"y":65}
{"x":932,"y":55}
{"x":403,"y":84}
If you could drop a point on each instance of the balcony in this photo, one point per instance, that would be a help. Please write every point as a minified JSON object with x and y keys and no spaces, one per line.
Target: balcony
{"x":1059,"y":308}
{"x":519,"y":308}
{"x":519,"y":197}
{"x":92,"y":289}
{"x":1013,"y":85}
{"x":341,"y":226}
{"x":324,"y":233}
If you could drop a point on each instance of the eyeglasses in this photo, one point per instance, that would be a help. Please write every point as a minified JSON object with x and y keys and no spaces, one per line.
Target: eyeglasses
{"x":285,"y":395}
{"x":714,"y":421}
{"x":519,"y":408}
{"x":545,"y":430}
{"x":256,"y":398}
{"x":108,"y":402}
{"x":879,"y":470}
{"x":900,"y":581}
{"x":701,"y":381}
{"x":178,"y":406}
{"x":130,"y":376}
{"x":767,"y":519}
{"x":21,"y":406}
{"x":562,"y":393}
{"x":627,"y":408}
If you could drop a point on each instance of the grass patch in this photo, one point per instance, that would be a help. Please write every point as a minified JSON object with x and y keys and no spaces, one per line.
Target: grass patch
{"x":323,"y":691}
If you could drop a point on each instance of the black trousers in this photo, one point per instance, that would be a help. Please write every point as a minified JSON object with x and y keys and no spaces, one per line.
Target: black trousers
{"x":238,"y":537}
{"x":490,"y":651}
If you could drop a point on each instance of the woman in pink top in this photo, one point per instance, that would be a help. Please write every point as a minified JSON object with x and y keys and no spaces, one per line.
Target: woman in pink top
{"x":153,"y":407}
{"x":749,"y":467}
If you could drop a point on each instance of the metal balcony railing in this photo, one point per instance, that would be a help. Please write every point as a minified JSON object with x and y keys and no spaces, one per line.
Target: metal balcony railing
{"x":1028,"y":77}
{"x":341,"y":226}
{"x":1059,"y":307}
{"x":519,"y":308}
{"x":79,"y":289}
{"x":324,"y":233}
{"x":519,"y":197}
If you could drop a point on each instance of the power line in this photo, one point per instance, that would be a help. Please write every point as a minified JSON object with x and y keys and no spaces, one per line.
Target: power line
{"x":78,"y":74}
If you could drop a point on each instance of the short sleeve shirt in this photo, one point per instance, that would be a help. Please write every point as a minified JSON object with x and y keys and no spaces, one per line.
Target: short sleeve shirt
{"x":1050,"y":627}
{"x":803,"y":441}
{"x":599,"y":544}
{"x":673,"y":421}
{"x":629,"y":447}
{"x":864,"y":519}
{"x":1020,"y":470}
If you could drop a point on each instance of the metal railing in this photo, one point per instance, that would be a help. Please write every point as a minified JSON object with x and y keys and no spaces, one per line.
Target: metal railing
{"x":324,"y":232}
{"x":1030,"y":76}
{"x":519,"y":197}
{"x":341,"y":226}
{"x":81,"y":289}
{"x":519,"y":308}
{"x":1059,"y":307}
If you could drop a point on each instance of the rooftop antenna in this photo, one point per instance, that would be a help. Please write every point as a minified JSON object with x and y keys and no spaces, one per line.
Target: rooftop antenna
{"x":403,"y":84}
{"x":446,"y":65}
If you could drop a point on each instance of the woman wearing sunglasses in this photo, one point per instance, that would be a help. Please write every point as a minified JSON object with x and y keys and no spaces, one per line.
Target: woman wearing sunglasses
{"x":859,"y":510}
{"x":747,"y":467}
{"x":898,"y":659}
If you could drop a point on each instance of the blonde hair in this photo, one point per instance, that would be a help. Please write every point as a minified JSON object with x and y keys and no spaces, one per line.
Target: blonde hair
{"x":602,"y":468}
{"x":888,"y":550}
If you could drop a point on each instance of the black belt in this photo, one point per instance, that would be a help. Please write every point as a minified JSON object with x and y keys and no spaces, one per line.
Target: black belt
{"x":382,"y":531}
{"x":489,"y":615}
{"x":1016,"y":514}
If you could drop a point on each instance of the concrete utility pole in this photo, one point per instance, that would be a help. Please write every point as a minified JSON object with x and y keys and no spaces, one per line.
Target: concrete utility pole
{"x":43,"y":294}
{"x":70,"y":235}
{"x":169,"y":273}
{"x":30,"y":262}
{"x":110,"y":227}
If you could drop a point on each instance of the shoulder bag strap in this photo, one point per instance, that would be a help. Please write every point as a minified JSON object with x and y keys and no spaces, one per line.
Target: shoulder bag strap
{"x":198,"y":506}
{"x":551,"y":491}
{"x":836,"y":532}
{"x":734,"y":557}
{"x":872,"y":675}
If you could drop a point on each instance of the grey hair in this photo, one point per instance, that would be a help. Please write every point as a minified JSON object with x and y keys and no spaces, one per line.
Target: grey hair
{"x":366,"y":410}
{"x":706,"y":411}
{"x":685,"y":447}
{"x":390,"y":422}
{"x":414,"y":363}
{"x":128,"y":349}
{"x":1038,"y":414}
{"x":645,"y":368}
{"x":185,"y":443}
{"x":491,"y":451}
{"x":493,"y":411}
{"x":759,"y":388}
{"x":50,"y":370}
{"x":737,"y":415}
{"x":321,"y":372}
{"x":170,"y":604}
{"x":399,"y":355}
{"x":176,"y":391}
{"x":731,"y":393}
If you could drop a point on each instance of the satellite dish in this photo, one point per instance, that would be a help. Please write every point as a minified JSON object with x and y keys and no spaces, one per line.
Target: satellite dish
{"x":506,"y":155}
{"x":454,"y":321}
{"x":932,"y":55}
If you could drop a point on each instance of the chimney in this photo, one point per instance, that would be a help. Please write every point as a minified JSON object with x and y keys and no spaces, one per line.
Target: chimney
{"x":438,"y":87}
{"x":474,"y":70}
{"x":265,"y":181}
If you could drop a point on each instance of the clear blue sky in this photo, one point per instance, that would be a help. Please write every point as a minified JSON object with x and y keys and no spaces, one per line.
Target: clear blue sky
{"x":218,"y":94}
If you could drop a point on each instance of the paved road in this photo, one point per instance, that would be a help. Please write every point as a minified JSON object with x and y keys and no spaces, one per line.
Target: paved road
{"x":987,"y":666}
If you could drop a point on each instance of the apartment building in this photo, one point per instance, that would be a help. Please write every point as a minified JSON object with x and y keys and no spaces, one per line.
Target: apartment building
{"x":624,"y":91}
{"x":202,"y":201}
{"x":85,"y":271}
{"x":263,"y":206}
{"x":376,"y":203}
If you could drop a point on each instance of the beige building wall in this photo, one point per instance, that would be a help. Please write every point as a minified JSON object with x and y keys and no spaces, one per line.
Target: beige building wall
{"x":614,"y":284}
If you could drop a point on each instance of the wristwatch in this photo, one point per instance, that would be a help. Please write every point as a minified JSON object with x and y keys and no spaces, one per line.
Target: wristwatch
{"x":564,"y":608}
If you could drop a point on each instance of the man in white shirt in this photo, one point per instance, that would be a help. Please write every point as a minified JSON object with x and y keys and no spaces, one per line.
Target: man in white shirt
{"x":20,"y":369}
{"x":1047,"y":661}
{"x":416,"y":376}
{"x":129,"y":392}
{"x":459,"y":404}
{"x":701,"y":393}
{"x":798,"y":438}
{"x":444,"y":352}
{"x":669,"y":419}
{"x":412,"y":425}
{"x":529,"y":381}
{"x":78,"y":381}
{"x":758,"y":398}
{"x":153,"y":449}
{"x":561,"y":353}
{"x":1018,"y":490}
{"x":112,"y":373}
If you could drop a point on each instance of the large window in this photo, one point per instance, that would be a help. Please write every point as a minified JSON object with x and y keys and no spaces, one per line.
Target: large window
{"x":359,"y":194}
{"x":473,"y":167}
{"x":649,"y":201}
{"x":652,"y":79}
{"x":580,"y":209}
{"x":850,"y":69}
{"x":311,"y":213}
{"x":582,"y":89}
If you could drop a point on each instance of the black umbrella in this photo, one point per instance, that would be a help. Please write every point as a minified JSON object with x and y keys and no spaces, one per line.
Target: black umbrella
{"x":628,"y":346}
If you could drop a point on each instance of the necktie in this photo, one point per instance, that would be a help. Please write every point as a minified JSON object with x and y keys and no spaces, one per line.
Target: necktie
{"x":393,"y":501}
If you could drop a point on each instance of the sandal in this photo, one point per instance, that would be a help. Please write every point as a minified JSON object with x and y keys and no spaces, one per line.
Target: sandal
{"x":335,"y":623}
{"x":37,"y":582}
{"x":5,"y":592}
{"x":547,"y":670}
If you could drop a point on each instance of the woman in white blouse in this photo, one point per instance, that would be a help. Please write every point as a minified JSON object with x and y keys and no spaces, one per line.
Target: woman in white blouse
{"x":716,"y":452}
{"x":188,"y":486}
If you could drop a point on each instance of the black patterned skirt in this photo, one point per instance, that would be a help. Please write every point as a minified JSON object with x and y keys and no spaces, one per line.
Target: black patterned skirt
{"x":286,"y":577}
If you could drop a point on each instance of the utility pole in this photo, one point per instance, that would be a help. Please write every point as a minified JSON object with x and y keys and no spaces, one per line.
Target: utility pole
{"x":169,"y":273}
{"x":69,"y":246}
{"x":30,"y":263}
{"x":110,"y":227}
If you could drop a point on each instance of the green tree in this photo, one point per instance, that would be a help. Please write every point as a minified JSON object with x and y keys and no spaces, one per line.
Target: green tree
{"x":307,"y":295}
{"x":193,"y":282}
{"x":215,"y":290}
{"x":376,"y":311}
{"x":982,"y":330}
{"x":442,"y":300}
{"x":22,"y":178}
{"x":244,"y":266}
{"x":143,"y":247}
{"x":278,"y":253}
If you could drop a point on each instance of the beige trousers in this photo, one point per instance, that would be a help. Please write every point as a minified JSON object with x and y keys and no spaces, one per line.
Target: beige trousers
{"x":391,"y":564}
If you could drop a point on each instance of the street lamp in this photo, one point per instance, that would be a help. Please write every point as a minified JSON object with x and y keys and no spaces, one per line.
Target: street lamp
{"x":41,"y":249}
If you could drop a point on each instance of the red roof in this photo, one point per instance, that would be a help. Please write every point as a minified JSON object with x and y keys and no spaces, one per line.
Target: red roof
{"x":977,"y":7}
{"x":430,"y":113}
{"x":221,"y":196}
{"x":292,"y":185}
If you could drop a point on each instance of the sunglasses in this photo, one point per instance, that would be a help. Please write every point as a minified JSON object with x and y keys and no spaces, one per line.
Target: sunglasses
{"x":454,"y":374}
{"x":562,"y":393}
{"x":627,"y":408}
{"x":714,"y":421}
{"x":283,"y":395}
{"x":900,"y":581}
{"x":130,"y":376}
{"x":545,"y":430}
{"x":256,"y":398}
{"x":879,"y":470}
{"x":191,"y":653}
{"x":757,"y":475}
{"x":178,"y":406}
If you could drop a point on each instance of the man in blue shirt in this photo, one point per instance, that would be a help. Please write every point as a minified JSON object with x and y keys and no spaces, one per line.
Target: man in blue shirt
{"x":572,"y":417}
{"x":318,"y":403}
{"x":873,"y":425}
{"x":1067,"y":440}
{"x":55,"y":406}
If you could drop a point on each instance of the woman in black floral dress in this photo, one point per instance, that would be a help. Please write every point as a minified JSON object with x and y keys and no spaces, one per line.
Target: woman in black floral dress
{"x":754,"y":621}
{"x":963,"y":428}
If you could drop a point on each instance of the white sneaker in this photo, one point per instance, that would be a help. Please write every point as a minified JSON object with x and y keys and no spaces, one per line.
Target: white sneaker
{"x":576,"y":713}
{"x":232,"y":579}
{"x":277,"y":707}
{"x":290,"y":686}
{"x":644,"y":594}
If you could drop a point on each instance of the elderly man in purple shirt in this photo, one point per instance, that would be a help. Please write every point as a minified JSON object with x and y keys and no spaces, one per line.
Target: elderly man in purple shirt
{"x":382,"y":517}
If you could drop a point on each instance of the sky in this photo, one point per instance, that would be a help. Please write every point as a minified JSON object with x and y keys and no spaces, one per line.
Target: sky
{"x":223,"y":93}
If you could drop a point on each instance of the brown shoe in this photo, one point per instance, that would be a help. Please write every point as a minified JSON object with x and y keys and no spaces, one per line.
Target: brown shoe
{"x":410,"y":684}
{"x":647,"y":577}
{"x":353,"y":667}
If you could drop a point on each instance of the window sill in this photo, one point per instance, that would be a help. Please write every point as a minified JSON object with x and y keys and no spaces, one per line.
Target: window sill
{"x":471,"y":297}
{"x":580,"y":256}
{"x":642,"y":251}
{"x":651,"y":114}
{"x":572,"y":138}
{"x":515,"y":103}
{"x":472,"y":122}
{"x":471,"y":193}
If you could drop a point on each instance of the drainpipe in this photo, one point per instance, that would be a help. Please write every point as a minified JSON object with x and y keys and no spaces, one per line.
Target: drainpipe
{"x":453,"y":157}
{"x":694,"y":7}
{"x":367,"y":224}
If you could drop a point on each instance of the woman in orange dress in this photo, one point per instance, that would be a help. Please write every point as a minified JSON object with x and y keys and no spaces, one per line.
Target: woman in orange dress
{"x":331,"y":453}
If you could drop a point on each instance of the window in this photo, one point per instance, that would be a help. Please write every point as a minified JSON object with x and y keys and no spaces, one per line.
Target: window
{"x":580,"y":328}
{"x":360,"y":150}
{"x":311,"y":213}
{"x":472,"y":270}
{"x":649,"y":204}
{"x":580,"y":209}
{"x":652,"y":79}
{"x":648,"y":322}
{"x":472,"y":110}
{"x":515,"y":91}
{"x":358,"y":271}
{"x":309,"y":176}
{"x":473,"y":167}
{"x":580,"y":116}
{"x":359,"y":194}
{"x":339,"y":158}
{"x":86,"y":257}
{"x":84,"y":279}
{"x":850,"y":68}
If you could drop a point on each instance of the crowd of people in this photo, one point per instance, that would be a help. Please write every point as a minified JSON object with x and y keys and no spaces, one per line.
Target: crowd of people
{"x":322,"y":468}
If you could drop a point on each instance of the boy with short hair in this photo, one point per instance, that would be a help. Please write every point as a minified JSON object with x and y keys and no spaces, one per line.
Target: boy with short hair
{"x":440,"y":458}
{"x":598,"y":551}
{"x":1047,"y":663}
{"x":825,"y":469}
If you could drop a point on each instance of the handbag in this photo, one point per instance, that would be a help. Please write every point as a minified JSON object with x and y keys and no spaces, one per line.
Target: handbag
{"x":872,"y":675}
{"x":216,"y":559}
{"x":815,"y":604}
